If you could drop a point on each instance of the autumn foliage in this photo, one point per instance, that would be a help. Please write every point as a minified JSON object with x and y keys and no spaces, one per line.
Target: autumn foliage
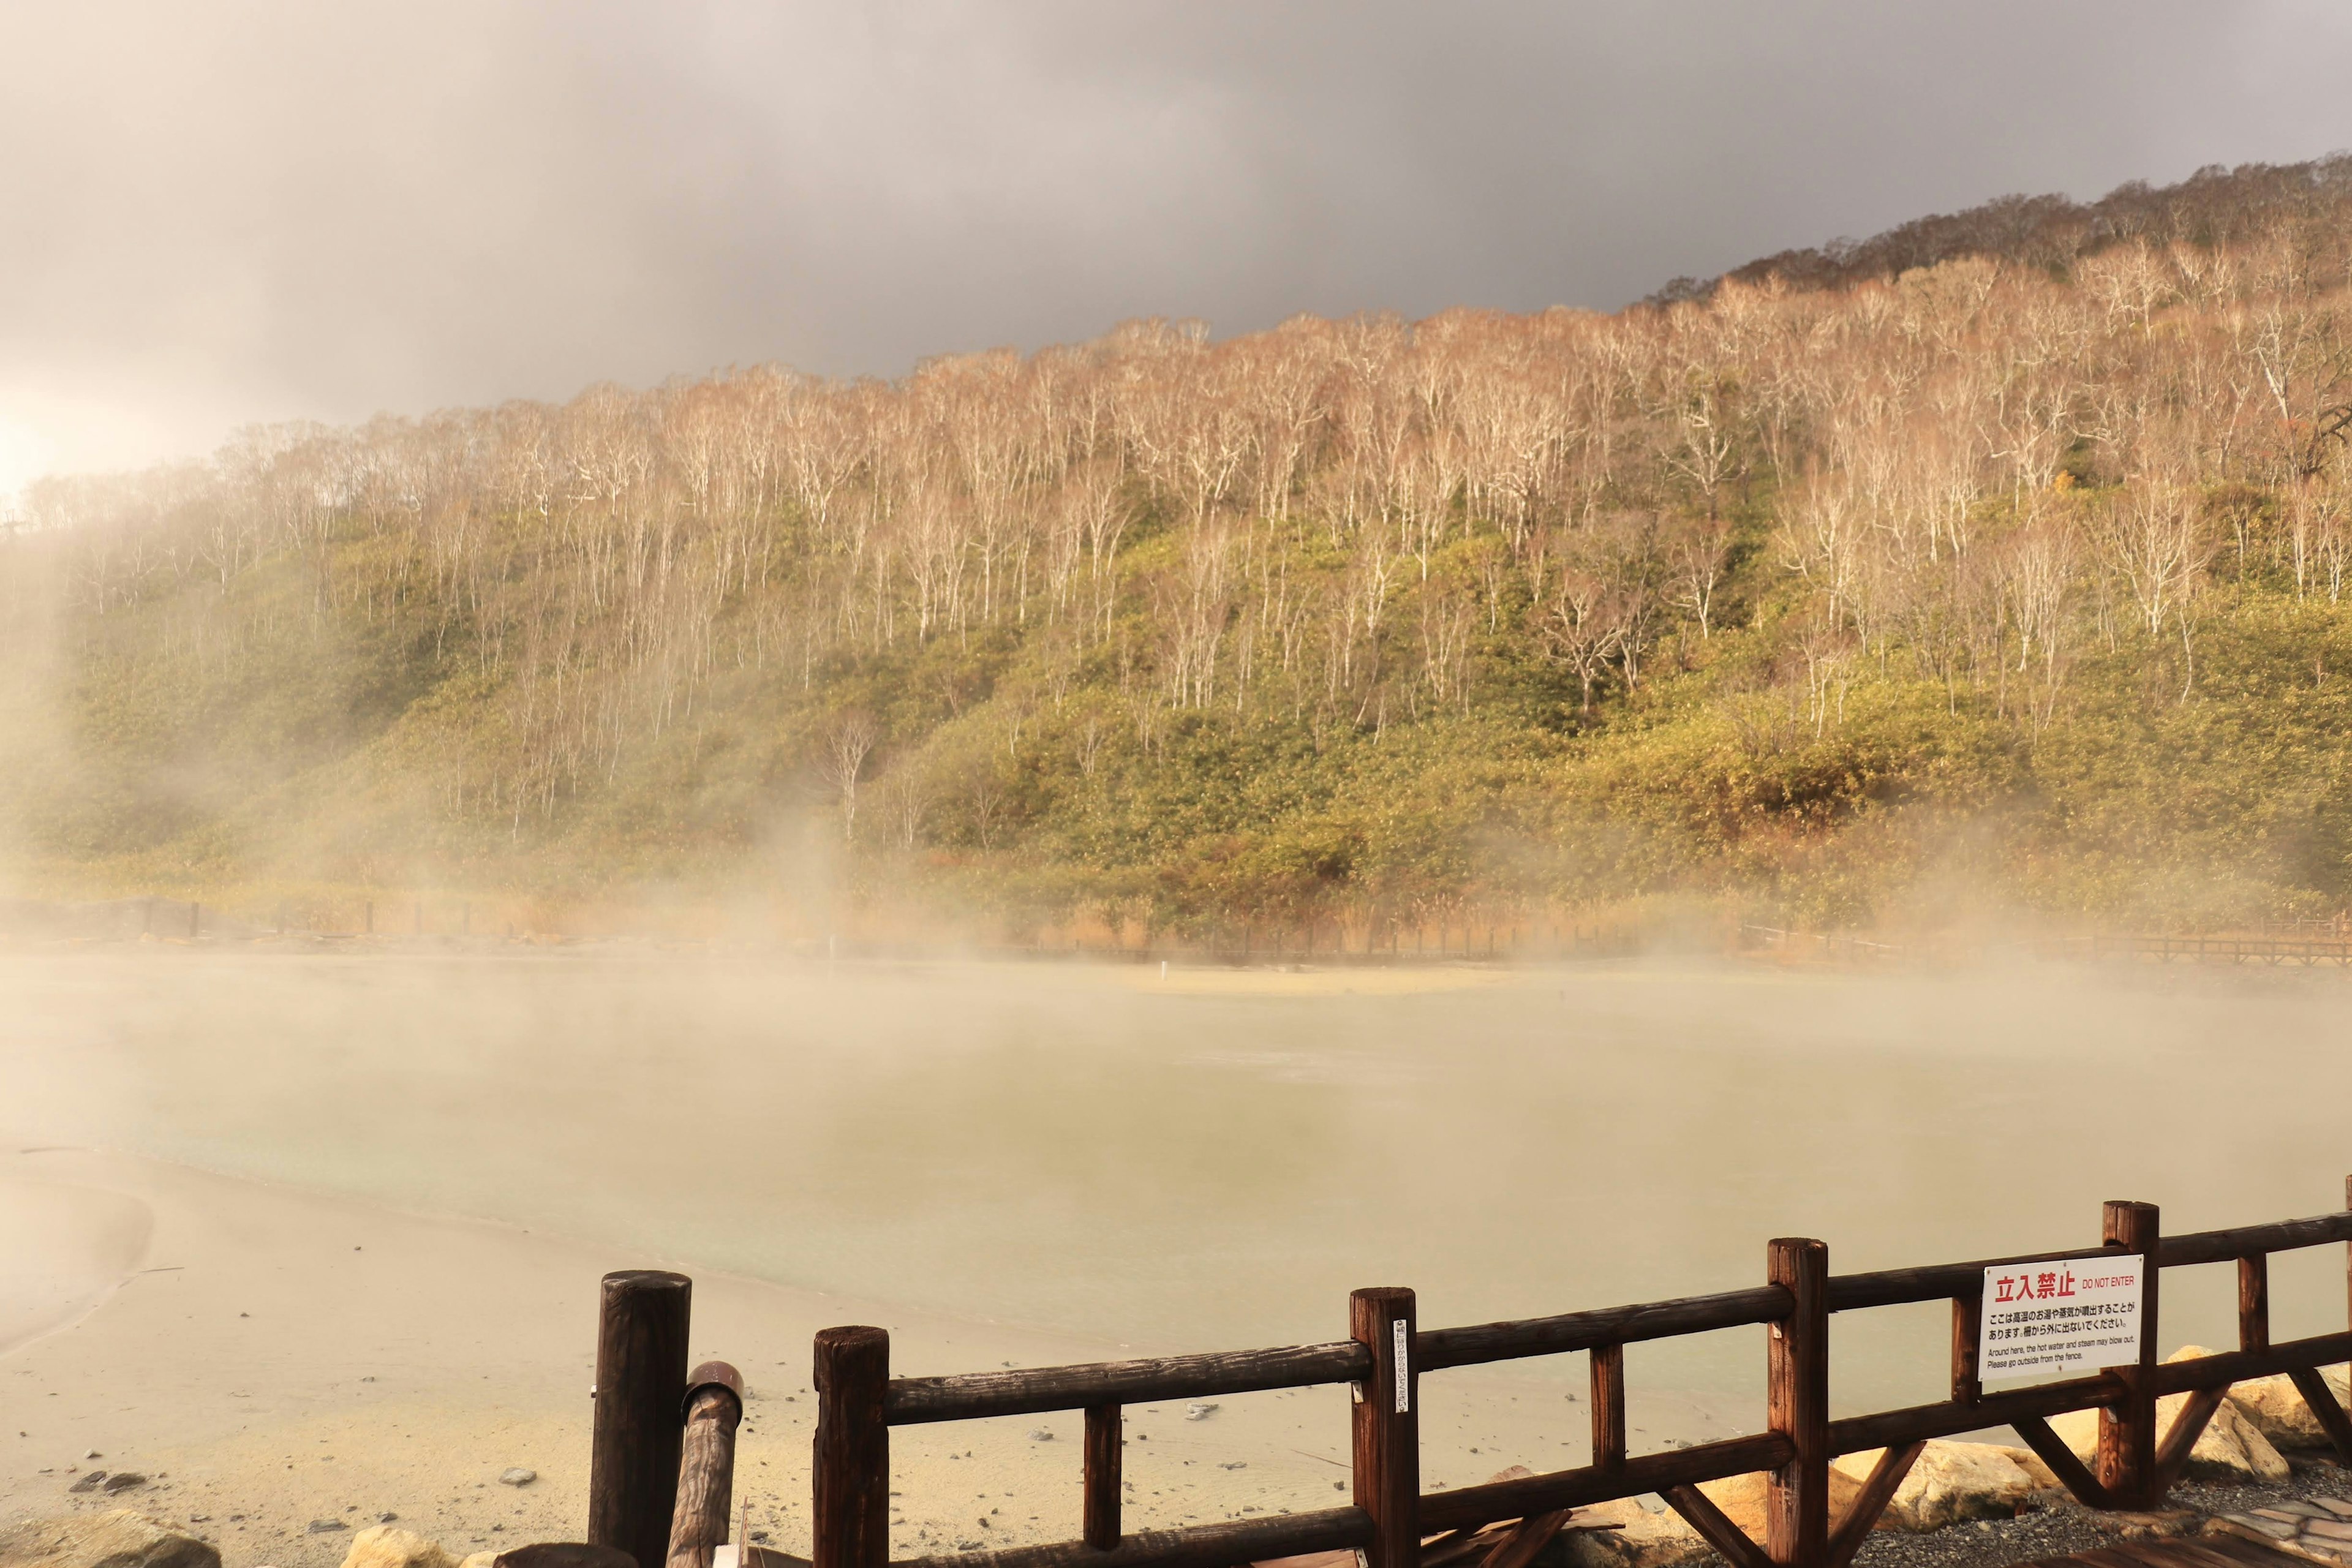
{"x":2023,"y":571}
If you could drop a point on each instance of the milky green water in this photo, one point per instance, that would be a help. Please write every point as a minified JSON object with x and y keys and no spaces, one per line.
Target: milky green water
{"x":1079,"y":1149}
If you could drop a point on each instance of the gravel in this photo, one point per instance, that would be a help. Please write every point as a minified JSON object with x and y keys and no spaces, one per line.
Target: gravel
{"x":2057,"y":1526}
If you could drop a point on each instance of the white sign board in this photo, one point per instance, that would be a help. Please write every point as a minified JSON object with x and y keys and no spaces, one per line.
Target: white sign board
{"x":2077,"y":1315}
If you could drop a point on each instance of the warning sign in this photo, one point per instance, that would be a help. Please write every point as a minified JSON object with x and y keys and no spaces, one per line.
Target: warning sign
{"x":2073,"y":1316}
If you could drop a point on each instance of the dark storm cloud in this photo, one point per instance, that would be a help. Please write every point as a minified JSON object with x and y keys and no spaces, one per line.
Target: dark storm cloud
{"x":217,"y":212}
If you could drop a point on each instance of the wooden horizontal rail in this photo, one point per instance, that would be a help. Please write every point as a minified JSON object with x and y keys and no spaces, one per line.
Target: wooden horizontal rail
{"x":1962,"y":1281}
{"x":1531,"y":1495}
{"x":1481,"y":1342}
{"x":2238,"y":1366}
{"x":1202,"y":1546}
{"x":1933,"y":1282}
{"x":969,"y":1397}
{"x":1889,"y":1428}
{"x":2252,"y":1241}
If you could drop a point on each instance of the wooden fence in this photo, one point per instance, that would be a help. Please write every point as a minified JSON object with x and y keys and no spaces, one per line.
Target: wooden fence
{"x":1394,"y":1525}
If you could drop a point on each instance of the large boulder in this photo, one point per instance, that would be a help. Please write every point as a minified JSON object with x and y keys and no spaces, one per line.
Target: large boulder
{"x":1950,"y":1483}
{"x":1647,"y":1540}
{"x":121,"y":1539}
{"x":388,"y":1546}
{"x":2276,"y":1408}
{"x":2230,"y":1448}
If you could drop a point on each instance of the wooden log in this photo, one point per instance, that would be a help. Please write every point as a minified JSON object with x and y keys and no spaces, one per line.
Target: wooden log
{"x":1387,"y":1425}
{"x":1031,"y":1391}
{"x":1797,"y":1398}
{"x":1893,"y":1428}
{"x":1219,"y":1545}
{"x":706,"y":1466}
{"x":1608,"y":1406}
{"x":1509,"y":1341}
{"x":1105,"y":1454}
{"x":2052,"y":1451}
{"x":561,"y":1554}
{"x":2327,"y":1409}
{"x":1930,"y":1282}
{"x":641,"y":1335}
{"x":2239,"y":1366}
{"x":2254,"y":1302}
{"x":2172,"y":1453}
{"x":2246,"y":1240}
{"x":1715,"y":1527}
{"x":2128,"y":1435}
{"x":850,"y":1471}
{"x":1483,"y":1504}
{"x":1861,"y":1512}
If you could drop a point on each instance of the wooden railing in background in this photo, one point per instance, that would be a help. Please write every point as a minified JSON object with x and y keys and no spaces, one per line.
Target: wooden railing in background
{"x":1386,"y":1354}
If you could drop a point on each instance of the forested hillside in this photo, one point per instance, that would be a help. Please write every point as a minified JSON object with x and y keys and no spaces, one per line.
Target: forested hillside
{"x":2011,"y":583}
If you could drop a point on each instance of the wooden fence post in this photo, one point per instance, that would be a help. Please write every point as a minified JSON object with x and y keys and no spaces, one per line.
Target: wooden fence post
{"x":850,"y":1474}
{"x":2128,"y":1428}
{"x":641,"y":1335}
{"x":1387,"y":1427}
{"x":1608,"y":1380}
{"x":706,"y":1466}
{"x":1797,"y":1373}
{"x":1105,"y":1455}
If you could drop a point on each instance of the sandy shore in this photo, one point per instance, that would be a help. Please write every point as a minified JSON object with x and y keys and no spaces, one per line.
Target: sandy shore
{"x":273,"y":1360}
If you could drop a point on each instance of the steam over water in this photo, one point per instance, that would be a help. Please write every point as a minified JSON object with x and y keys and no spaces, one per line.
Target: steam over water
{"x":1211,"y":1163}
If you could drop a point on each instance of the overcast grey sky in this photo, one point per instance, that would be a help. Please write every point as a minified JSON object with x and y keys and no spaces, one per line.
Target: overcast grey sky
{"x":216,"y":212}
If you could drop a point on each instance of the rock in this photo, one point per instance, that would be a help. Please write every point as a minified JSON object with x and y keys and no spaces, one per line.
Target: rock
{"x":1647,"y":1541}
{"x":1199,"y":1412}
{"x":2275,"y":1406}
{"x":387,"y":1546}
{"x":1663,"y":1539}
{"x":325,"y":1526}
{"x":1949,"y":1483}
{"x":1040,"y":1434}
{"x":89,"y":1483}
{"x":123,"y":1480}
{"x":120,"y":1539}
{"x":1741,"y":1498}
{"x":2026,"y":1459}
{"x":517,"y":1476}
{"x":2230,"y":1448}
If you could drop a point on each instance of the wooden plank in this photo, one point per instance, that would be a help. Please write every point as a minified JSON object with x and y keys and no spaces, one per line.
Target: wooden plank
{"x":1861,"y":1512}
{"x":1105,"y":1444}
{"x":2127,"y":1437}
{"x":2052,"y":1451}
{"x":1521,"y":1543}
{"x":1031,"y":1391}
{"x":1477,"y":1343}
{"x":1716,"y":1527}
{"x":1387,"y":1425}
{"x":850,"y":1471}
{"x":1608,"y":1381}
{"x":1797,"y":1399}
{"x":640,"y":1337}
